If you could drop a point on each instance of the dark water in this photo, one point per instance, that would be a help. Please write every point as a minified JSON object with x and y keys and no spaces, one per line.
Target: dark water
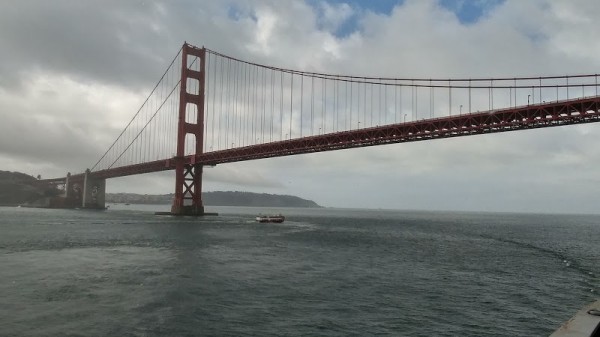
{"x":321,"y":273}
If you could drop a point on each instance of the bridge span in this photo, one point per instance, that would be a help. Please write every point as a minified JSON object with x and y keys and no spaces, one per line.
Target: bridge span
{"x":209,"y":109}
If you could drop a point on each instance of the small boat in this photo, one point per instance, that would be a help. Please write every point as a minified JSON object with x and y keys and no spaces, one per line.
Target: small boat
{"x":270,"y":218}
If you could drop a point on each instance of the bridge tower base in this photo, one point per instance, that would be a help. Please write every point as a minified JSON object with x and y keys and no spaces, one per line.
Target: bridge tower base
{"x":188,"y":189}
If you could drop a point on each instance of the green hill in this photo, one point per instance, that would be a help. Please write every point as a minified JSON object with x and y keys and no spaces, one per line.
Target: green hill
{"x":18,"y":188}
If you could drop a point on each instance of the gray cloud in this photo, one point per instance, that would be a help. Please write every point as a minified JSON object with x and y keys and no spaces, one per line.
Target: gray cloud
{"x":78,"y":38}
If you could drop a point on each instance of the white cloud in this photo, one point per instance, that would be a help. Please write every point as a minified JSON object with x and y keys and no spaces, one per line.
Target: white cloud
{"x":266,"y":23}
{"x":333,"y":16}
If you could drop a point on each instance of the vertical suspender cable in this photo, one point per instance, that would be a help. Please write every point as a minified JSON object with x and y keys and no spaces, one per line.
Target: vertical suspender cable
{"x":301,"y":100}
{"x":385,"y":108}
{"x":335,"y":104}
{"x":291,"y":102}
{"x":281,"y":106}
{"x":230,"y":99}
{"x":312,"y":104}
{"x":233,"y":99}
{"x":264,"y":94}
{"x":358,"y":104}
{"x":252,"y":107}
{"x":260,"y":106}
{"x":256,"y":106}
{"x":416,"y":103}
{"x":346,"y":113}
{"x":351,"y":101}
{"x":324,"y":108}
{"x":395,"y":101}
{"x":430,"y":100}
{"x":207,"y":86}
{"x":379,"y":103}
{"x":449,"y":98}
{"x":272,"y":107}
{"x":246,"y":130}
{"x":365,"y":102}
{"x":400,"y":103}
{"x":157,"y":125}
{"x":412,"y":99}
{"x":492,"y":94}
{"x":216,"y":120}
{"x":371,"y":118}
{"x":239,"y":99}
{"x":470,"y":110}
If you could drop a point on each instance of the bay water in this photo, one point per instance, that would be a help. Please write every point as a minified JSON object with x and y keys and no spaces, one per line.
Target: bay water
{"x":323,"y":272}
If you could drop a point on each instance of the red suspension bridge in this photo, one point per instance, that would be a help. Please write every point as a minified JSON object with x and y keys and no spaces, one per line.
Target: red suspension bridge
{"x":209,"y":109}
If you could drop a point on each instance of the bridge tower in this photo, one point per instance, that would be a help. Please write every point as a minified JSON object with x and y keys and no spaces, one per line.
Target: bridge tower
{"x":188,"y":175}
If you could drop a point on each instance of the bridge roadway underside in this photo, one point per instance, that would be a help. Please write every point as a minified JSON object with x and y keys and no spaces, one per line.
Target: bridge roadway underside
{"x":576,"y":111}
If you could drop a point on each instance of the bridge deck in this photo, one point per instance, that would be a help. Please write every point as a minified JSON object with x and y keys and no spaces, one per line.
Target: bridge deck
{"x":558,"y":113}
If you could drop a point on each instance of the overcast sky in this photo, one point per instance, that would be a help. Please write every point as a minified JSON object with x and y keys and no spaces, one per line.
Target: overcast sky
{"x":72,"y":73}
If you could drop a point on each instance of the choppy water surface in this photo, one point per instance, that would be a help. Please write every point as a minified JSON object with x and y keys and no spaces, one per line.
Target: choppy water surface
{"x":323,"y":272}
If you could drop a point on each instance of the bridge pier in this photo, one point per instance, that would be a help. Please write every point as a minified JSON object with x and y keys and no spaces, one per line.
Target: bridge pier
{"x":94,"y":192}
{"x":188,"y":190}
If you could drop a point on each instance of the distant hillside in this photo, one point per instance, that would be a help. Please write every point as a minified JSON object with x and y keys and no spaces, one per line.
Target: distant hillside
{"x":218,"y":199}
{"x":18,"y":188}
{"x":255,"y":199}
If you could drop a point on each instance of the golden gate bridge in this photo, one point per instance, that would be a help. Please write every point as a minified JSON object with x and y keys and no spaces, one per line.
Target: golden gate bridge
{"x":209,"y":109}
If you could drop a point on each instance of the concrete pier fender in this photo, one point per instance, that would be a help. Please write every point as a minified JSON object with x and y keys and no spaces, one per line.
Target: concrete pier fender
{"x":188,"y":211}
